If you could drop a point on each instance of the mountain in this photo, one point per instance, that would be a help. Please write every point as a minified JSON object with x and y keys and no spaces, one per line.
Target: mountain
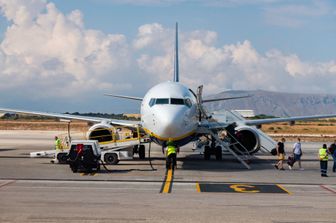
{"x":276,"y":103}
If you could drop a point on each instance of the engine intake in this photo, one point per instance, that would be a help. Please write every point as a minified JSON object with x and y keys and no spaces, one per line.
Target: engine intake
{"x":101,"y":132}
{"x":248,"y":139}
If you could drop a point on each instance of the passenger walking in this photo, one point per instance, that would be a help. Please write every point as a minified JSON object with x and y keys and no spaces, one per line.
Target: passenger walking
{"x":281,"y":154}
{"x":332,"y":151}
{"x":323,"y":157}
{"x":297,"y":152}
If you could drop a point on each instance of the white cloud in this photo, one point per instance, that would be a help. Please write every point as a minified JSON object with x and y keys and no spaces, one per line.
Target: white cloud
{"x":46,"y":53}
{"x":149,"y":34}
{"x":54,"y":53}
{"x":236,"y":66}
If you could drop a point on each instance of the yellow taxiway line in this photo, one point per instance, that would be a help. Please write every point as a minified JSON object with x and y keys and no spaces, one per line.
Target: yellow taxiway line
{"x":198,"y":188}
{"x":288,"y":192}
{"x":88,"y":174}
{"x":168,"y":181}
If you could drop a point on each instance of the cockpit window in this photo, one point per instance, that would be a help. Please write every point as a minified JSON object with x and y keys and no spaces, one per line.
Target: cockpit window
{"x":152,"y":102}
{"x":172,"y":101}
{"x":177,"y":101}
{"x":188,"y":102}
{"x":161,"y":101}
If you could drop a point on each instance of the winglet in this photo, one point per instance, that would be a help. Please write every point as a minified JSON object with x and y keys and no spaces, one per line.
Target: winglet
{"x":176,"y":61}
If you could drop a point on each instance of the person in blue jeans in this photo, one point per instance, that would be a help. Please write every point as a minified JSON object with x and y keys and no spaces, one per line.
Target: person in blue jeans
{"x":332,"y":151}
{"x":297,"y":152}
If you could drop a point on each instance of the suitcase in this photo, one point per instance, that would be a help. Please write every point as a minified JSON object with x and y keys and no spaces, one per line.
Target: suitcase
{"x":291,"y":160}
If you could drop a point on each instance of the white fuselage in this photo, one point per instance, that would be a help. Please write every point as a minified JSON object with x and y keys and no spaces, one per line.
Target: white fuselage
{"x":169,"y":111}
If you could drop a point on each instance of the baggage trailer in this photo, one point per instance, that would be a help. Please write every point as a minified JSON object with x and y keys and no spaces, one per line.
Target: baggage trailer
{"x":111,"y":153}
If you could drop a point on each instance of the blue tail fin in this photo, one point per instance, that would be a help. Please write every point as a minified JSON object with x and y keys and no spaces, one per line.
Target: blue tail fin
{"x":176,"y":61}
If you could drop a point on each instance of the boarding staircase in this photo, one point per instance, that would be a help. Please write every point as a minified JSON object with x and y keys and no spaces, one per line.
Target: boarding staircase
{"x":243,"y":157}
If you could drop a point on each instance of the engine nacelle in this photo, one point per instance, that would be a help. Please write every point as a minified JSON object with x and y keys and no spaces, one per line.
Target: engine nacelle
{"x":102,"y":132}
{"x":249,"y":138}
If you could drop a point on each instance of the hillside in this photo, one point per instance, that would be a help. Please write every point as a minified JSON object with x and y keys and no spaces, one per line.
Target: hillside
{"x":276,"y":103}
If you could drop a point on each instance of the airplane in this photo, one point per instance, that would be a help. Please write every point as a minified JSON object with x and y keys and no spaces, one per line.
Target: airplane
{"x":172,"y":111}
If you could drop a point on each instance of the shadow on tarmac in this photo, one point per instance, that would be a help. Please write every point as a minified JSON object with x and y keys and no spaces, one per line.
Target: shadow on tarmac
{"x":227,"y":164}
{"x":5,"y":150}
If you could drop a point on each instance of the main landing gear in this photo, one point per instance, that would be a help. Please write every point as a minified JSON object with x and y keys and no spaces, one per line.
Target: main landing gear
{"x":212,"y":149}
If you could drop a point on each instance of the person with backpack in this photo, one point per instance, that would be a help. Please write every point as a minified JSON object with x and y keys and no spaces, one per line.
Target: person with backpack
{"x":281,"y":154}
{"x":297,"y":152}
{"x":332,"y":151}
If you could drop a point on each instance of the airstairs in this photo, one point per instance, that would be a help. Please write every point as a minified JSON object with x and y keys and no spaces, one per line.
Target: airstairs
{"x":243,"y":157}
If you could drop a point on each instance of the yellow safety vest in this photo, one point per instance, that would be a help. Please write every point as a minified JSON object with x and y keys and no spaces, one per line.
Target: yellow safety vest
{"x":171,"y":150}
{"x":323,"y":154}
{"x":58,"y":144}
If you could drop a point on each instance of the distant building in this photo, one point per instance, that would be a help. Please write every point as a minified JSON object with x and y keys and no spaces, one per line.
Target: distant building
{"x":133,"y":116}
{"x":246,"y":113}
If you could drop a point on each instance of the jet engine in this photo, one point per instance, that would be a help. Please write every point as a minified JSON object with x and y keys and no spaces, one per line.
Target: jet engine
{"x":249,"y":140}
{"x":102,"y":132}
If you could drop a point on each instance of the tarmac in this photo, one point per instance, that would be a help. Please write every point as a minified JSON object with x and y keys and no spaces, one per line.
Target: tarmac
{"x":33,"y":190}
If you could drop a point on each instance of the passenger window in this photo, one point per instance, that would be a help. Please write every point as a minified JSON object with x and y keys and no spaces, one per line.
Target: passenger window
{"x":161,"y":101}
{"x":177,"y":101}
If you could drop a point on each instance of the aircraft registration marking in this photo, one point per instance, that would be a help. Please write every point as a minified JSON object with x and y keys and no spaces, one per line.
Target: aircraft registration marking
{"x":240,"y":188}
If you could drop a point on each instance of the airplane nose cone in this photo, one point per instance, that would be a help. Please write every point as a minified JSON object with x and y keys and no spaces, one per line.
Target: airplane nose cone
{"x":171,"y":123}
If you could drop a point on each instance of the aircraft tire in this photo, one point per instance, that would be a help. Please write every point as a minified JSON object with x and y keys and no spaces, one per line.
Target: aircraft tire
{"x":218,"y":153}
{"x":74,"y":169}
{"x":135,"y":149}
{"x":62,"y":158}
{"x":207,"y":153}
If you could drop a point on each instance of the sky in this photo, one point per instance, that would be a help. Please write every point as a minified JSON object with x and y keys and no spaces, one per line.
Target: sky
{"x":62,"y":56}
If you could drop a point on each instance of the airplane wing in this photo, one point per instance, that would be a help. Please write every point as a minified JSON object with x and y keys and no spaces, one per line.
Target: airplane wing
{"x":74,"y":117}
{"x":124,"y":97}
{"x":213,"y":125}
{"x":287,"y":119}
{"x":222,"y":120}
{"x":224,"y":99}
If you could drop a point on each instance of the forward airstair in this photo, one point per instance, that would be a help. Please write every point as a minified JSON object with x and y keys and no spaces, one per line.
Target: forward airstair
{"x":231,"y":147}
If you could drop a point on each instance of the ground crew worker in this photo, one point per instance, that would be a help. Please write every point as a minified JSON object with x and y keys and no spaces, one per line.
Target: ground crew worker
{"x":323,"y":156}
{"x":58,"y":148}
{"x":58,"y":144}
{"x":171,"y":154}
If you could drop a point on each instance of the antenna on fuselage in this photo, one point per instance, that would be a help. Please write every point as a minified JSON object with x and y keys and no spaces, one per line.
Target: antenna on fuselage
{"x":176,"y":62}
